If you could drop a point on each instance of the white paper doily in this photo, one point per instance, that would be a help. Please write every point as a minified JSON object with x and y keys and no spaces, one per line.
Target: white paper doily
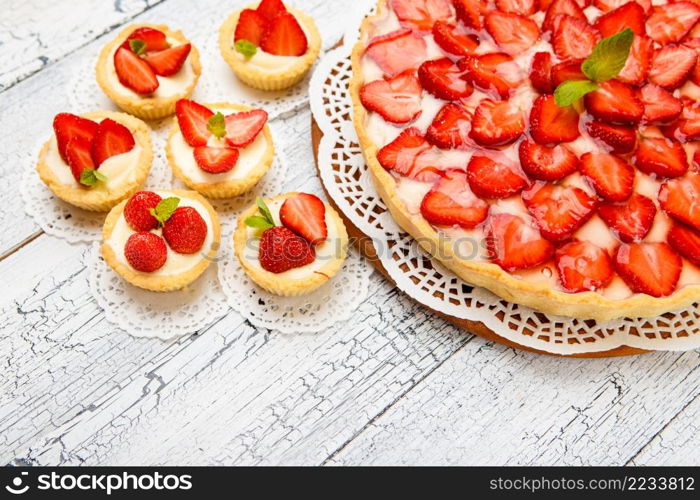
{"x":346,"y":178}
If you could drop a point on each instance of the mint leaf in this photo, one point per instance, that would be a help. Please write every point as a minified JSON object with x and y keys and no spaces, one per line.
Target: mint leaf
{"x":609,"y":56}
{"x":217,"y":125}
{"x":571,"y":91}
{"x":165,"y":208}
{"x":248,"y":49}
{"x":137,"y":46}
{"x":258,"y":222}
{"x":264,"y":210}
{"x":89,"y":177}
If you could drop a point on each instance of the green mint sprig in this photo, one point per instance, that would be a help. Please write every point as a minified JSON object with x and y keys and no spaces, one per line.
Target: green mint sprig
{"x":90,"y":177}
{"x":137,"y":46}
{"x":245,"y":47}
{"x":217,"y":125}
{"x":165,"y":208}
{"x":263,"y":221}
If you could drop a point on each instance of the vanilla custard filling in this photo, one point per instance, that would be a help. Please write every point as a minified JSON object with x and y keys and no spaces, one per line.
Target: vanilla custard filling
{"x":325,"y":252}
{"x":175,"y":263}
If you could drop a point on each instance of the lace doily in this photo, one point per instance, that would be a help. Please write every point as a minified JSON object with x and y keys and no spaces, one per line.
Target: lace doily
{"x":346,"y":179}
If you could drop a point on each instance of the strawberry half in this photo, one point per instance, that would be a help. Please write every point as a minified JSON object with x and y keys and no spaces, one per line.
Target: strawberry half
{"x":688,"y":126}
{"x":153,"y":38}
{"x":686,"y":242}
{"x":146,"y":252}
{"x":558,"y":7}
{"x":453,"y":39}
{"x":617,"y":138}
{"x":450,"y":127}
{"x":185,"y":230}
{"x":608,"y":5}
{"x":513,"y":33}
{"x":443,"y":79}
{"x":614,"y":102}
{"x":251,"y":26}
{"x":495,"y":73}
{"x":551,"y":124}
{"x":215,"y":160}
{"x":137,"y":211}
{"x":111,"y":139}
{"x":630,"y":220}
{"x":659,"y":105}
{"x":671,"y":66}
{"x":284,"y":37}
{"x":651,"y":268}
{"x":661,"y":156}
{"x":541,"y":72}
{"x":400,"y":154}
{"x":583,"y":266}
{"x":470,"y":12}
{"x":494,"y":176}
{"x":513,"y":243}
{"x":281,"y":250}
{"x":270,"y":9}
{"x":305,"y":214}
{"x":565,"y":71}
{"x":193,"y":119}
{"x":497,"y":123}
{"x":242,"y":128}
{"x":558,"y":210}
{"x":680,"y":198}
{"x":522,"y":7}
{"x":134,"y":73}
{"x":397,"y":51}
{"x":671,"y":22}
{"x":630,"y":15}
{"x":66,"y":126}
{"x":169,"y":61}
{"x":79,"y":157}
{"x":397,"y":99}
{"x":574,"y":38}
{"x":638,"y":62}
{"x":451,"y":202}
{"x":547,"y":163}
{"x":421,"y":14}
{"x":610,"y":176}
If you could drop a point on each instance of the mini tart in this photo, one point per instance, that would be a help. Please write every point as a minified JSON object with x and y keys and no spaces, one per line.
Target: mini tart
{"x":265,"y":71}
{"x":254,"y":161}
{"x":172,"y":88}
{"x":179,"y":270}
{"x":56,"y":174}
{"x":330,"y":255}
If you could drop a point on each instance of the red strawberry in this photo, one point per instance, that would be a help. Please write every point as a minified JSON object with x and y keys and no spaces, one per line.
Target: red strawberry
{"x":153,"y":38}
{"x":450,"y":127}
{"x":694,"y":43}
{"x":79,"y":157}
{"x":651,"y":268}
{"x":185,"y":230}
{"x":454,"y":39}
{"x":215,"y":160}
{"x":512,"y":32}
{"x":146,"y":252}
{"x":574,"y":38}
{"x":614,"y":102}
{"x":111,"y":139}
{"x":281,"y":250}
{"x":680,"y":198}
{"x":671,"y":66}
{"x":630,"y":15}
{"x":661,"y":156}
{"x":558,"y":210}
{"x":610,"y":176}
{"x":397,"y":99}
{"x":284,"y":37}
{"x":547,"y":163}
{"x":549,"y":123}
{"x":270,"y":9}
{"x":494,"y":73}
{"x":522,"y":7}
{"x":169,"y":61}
{"x":671,"y":22}
{"x":541,"y":72}
{"x":251,"y":26}
{"x":494,"y":177}
{"x":66,"y":126}
{"x":630,"y":220}
{"x":583,"y":266}
{"x":659,"y":105}
{"x":397,"y":51}
{"x":686,"y":242}
{"x":192,"y":119}
{"x":565,"y":71}
{"x":513,"y":243}
{"x":442,"y":78}
{"x":618,"y":139}
{"x":470,"y":12}
{"x":400,"y":154}
{"x":451,"y":202}
{"x":431,"y":164}
{"x":242,"y":128}
{"x":608,"y":5}
{"x":137,"y":211}
{"x":496,"y":123}
{"x":688,"y":126}
{"x":638,"y":62}
{"x":305,"y":214}
{"x":134,"y":73}
{"x":421,"y":14}
{"x":558,"y":7}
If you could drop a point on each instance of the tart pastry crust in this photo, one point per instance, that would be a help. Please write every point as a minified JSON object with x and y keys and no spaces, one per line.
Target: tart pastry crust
{"x":99,"y":199}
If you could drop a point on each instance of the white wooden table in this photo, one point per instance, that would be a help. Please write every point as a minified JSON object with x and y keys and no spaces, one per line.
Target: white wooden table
{"x":394,"y":386}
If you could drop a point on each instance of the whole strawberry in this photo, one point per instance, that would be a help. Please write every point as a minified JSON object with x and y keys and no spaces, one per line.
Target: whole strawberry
{"x":137,"y":211}
{"x":281,"y":250}
{"x":185,"y":230}
{"x":146,"y":252}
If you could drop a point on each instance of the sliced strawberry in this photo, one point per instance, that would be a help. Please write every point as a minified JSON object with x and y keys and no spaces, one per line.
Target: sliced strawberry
{"x":495,"y":176}
{"x":454,"y":39}
{"x":193,"y":119}
{"x":79,"y":157}
{"x":565,"y":71}
{"x":688,"y":126}
{"x":67,"y":126}
{"x":242,"y":128}
{"x":630,"y":15}
{"x":284,"y":37}
{"x":686,"y":242}
{"x":470,"y":12}
{"x":443,"y":79}
{"x":651,"y":268}
{"x":608,"y":5}
{"x":558,"y":210}
{"x":215,"y":160}
{"x":397,"y":99}
{"x":169,"y":61}
{"x":495,"y":73}
{"x":400,"y":154}
{"x":153,"y":38}
{"x":522,"y":7}
{"x":661,"y":156}
{"x":541,"y":72}
{"x":617,"y":138}
{"x":497,"y":123}
{"x":251,"y":26}
{"x":431,"y":164}
{"x":660,"y":106}
{"x":270,"y":9}
{"x":574,"y":38}
{"x":550,"y":124}
{"x":305,"y":214}
{"x":421,"y":14}
{"x":614,"y":102}
{"x":680,"y":198}
{"x":397,"y":51}
{"x":134,"y":73}
{"x":450,"y":127}
{"x":638,"y":62}
{"x":512,"y":32}
{"x":694,"y":43}
{"x":671,"y":66}
{"x":558,"y":7}
{"x":610,"y":176}
{"x":451,"y":202}
{"x":547,"y":163}
{"x":583,"y":266}
{"x":671,"y":22}
{"x":513,"y":243}
{"x":111,"y":139}
{"x":630,"y":220}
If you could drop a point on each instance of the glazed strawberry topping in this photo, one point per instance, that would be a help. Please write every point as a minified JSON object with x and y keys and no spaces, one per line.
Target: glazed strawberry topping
{"x":443,"y":79}
{"x":397,"y":51}
{"x":450,"y":127}
{"x":454,"y":39}
{"x":558,"y":210}
{"x":396,"y":99}
{"x":512,"y":32}
{"x":583,"y":266}
{"x":451,"y":202}
{"x":421,"y":14}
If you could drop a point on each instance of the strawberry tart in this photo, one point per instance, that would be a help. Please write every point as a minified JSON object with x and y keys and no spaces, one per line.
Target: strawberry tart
{"x":147,"y":69}
{"x":220,"y":150}
{"x":545,"y":150}
{"x":269,"y":46}
{"x":291,"y":244}
{"x":96,"y":160}
{"x":161,"y":240}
